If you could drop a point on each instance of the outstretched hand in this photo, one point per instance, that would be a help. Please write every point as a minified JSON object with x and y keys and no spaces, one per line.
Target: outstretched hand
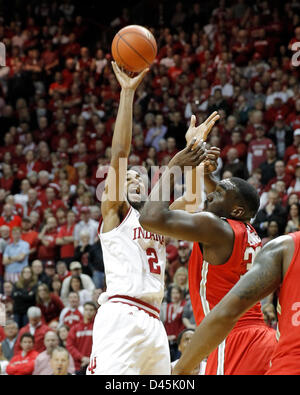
{"x":202,"y":131}
{"x":192,"y":155}
{"x":127,"y":82}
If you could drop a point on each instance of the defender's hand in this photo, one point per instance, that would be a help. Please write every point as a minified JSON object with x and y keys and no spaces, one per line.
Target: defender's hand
{"x":202,"y":131}
{"x":127,"y":82}
{"x":192,"y":155}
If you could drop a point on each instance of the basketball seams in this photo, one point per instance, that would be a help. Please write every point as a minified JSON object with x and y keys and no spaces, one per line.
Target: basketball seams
{"x":124,"y":63}
{"x":133,"y":49}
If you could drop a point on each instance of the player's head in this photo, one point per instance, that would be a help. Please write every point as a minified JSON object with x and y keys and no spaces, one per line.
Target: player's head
{"x":135,"y":189}
{"x":233,"y":198}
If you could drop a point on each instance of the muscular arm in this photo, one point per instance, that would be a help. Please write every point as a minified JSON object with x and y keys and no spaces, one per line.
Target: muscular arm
{"x":157,"y":217}
{"x":260,"y":281}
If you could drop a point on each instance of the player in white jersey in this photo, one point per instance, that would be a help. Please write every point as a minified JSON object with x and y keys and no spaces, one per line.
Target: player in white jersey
{"x":128,"y":336}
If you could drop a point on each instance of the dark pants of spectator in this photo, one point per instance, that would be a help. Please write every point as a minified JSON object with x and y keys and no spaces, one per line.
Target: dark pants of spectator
{"x":1,"y":284}
{"x":174,"y":353}
{"x":21,"y":320}
{"x":98,"y":278}
{"x":82,"y":371}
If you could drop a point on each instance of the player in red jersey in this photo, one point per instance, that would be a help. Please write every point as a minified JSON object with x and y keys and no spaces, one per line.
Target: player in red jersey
{"x":276,"y":265}
{"x":224,"y":249}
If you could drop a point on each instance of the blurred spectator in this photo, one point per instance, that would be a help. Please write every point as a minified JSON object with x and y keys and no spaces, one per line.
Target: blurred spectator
{"x":23,"y":295}
{"x":268,"y":167}
{"x":293,"y":223}
{"x":62,"y":270}
{"x":8,"y":218}
{"x":63,"y":331}
{"x":22,"y":363}
{"x":181,"y":280}
{"x":281,"y":134}
{"x":82,"y":252}
{"x":42,"y":364}
{"x":73,"y":312}
{"x":38,"y":271}
{"x":76,"y":270}
{"x":15,"y":256}
{"x":29,"y":235}
{"x":36,"y":327}
{"x":80,"y":346}
{"x":11,"y":332}
{"x":76,"y":286}
{"x":60,"y":362}
{"x":156,"y":133}
{"x":47,"y":249}
{"x":272,"y":232}
{"x":280,"y":175}
{"x":171,"y":316}
{"x":188,"y":318}
{"x":257,"y":149}
{"x":272,"y":210}
{"x":65,"y":238}
{"x":235,"y":165}
{"x":49,"y":303}
{"x":87,"y":224}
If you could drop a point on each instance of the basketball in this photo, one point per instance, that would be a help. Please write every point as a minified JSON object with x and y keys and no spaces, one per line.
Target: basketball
{"x":134,"y":48}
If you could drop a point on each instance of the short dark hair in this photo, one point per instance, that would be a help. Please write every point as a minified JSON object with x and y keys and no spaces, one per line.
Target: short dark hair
{"x":179,"y":337}
{"x":247,"y":196}
{"x":27,"y":334}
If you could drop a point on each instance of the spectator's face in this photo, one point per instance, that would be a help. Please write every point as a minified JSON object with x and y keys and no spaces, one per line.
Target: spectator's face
{"x":8,"y":210}
{"x":5,"y":232}
{"x":185,"y":340}
{"x":51,"y":223}
{"x":73,"y":300}
{"x":11,"y":331}
{"x":175,"y":295}
{"x":279,"y":168}
{"x":16,"y":235}
{"x":75,"y":284}
{"x":273,"y":229}
{"x":26,"y":344}
{"x":29,"y":156}
{"x":60,"y":363}
{"x":89,"y":312}
{"x":272,"y":197}
{"x":63,"y":332}
{"x":50,"y":341}
{"x":7,"y":288}
{"x":37,"y":267}
{"x":183,"y":252}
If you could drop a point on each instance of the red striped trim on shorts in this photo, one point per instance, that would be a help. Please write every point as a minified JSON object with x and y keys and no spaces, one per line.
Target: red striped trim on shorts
{"x":140,"y":304}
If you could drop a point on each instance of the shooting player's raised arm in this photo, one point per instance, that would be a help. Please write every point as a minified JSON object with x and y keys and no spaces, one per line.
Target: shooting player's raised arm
{"x":114,"y":194}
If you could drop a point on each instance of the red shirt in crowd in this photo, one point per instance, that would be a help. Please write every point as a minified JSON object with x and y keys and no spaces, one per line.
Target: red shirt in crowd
{"x":51,"y":311}
{"x":66,"y":250}
{"x":11,"y":222}
{"x":48,"y":253}
{"x":22,"y":365}
{"x":39,"y":335}
{"x":79,"y":342}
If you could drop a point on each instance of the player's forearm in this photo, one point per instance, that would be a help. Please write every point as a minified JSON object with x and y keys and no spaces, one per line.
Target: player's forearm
{"x":210,"y":183}
{"x":121,"y":142}
{"x":156,"y":208}
{"x":209,"y":334}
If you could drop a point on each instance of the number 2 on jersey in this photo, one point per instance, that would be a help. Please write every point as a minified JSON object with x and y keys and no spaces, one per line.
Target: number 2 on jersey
{"x":153,"y":261}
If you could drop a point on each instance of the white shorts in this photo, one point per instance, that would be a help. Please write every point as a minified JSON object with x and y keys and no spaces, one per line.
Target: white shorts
{"x":128,"y":341}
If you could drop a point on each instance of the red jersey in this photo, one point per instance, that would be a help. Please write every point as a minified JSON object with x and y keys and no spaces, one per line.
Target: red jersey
{"x":286,"y":357}
{"x":21,"y":365}
{"x":79,"y":341}
{"x":208,"y":284}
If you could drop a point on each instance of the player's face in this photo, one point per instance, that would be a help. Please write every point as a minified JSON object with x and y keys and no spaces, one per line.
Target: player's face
{"x":221,"y":200}
{"x":135,"y":189}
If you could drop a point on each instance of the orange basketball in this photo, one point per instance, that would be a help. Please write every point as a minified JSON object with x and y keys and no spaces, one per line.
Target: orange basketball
{"x":134,"y":48}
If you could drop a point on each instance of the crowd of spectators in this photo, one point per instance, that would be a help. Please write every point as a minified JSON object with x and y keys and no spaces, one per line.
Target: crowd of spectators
{"x":58,"y":104}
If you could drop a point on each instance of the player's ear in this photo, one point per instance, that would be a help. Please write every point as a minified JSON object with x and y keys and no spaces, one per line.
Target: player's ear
{"x":237,"y":211}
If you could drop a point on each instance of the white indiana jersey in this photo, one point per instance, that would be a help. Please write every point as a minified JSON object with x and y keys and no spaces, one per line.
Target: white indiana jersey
{"x":134,"y":261}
